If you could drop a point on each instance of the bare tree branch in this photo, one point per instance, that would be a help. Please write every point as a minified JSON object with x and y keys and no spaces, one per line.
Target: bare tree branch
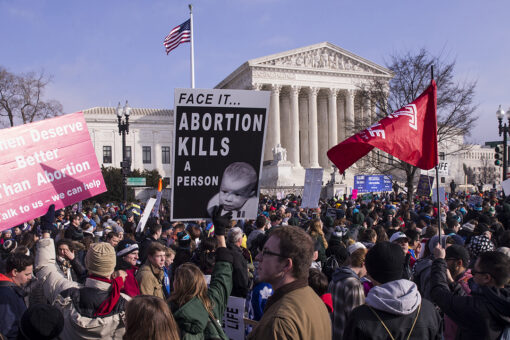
{"x":21,"y":98}
{"x":455,"y":104}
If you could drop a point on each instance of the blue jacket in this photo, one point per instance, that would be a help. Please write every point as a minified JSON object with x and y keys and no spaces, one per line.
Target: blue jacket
{"x":12,"y":307}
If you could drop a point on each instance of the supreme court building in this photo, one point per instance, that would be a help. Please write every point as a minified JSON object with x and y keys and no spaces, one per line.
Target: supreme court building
{"x":315,"y":103}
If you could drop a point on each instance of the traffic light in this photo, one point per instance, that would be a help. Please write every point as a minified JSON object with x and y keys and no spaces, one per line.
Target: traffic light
{"x":498,"y":155}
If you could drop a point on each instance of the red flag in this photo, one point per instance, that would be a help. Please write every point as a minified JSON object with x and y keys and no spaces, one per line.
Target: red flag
{"x":409,"y":134}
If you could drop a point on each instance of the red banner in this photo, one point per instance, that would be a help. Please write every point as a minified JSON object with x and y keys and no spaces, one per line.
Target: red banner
{"x":409,"y":134}
{"x":43,"y":163}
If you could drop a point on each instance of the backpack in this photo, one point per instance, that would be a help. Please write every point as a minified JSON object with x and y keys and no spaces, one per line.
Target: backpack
{"x":330,"y":266}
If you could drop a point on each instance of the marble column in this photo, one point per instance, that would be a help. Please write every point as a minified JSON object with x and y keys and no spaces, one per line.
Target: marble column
{"x":349,"y":113}
{"x":158,"y":157}
{"x":322,"y":123}
{"x":294,"y":126}
{"x":312,"y":127}
{"x":332,"y":118}
{"x":367,"y":112}
{"x":304,"y":146}
{"x":341,"y":116}
{"x":273,"y":133}
{"x":285,"y":120}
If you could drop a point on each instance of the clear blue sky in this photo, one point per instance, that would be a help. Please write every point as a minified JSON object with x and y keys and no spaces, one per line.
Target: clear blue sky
{"x":102,"y":52}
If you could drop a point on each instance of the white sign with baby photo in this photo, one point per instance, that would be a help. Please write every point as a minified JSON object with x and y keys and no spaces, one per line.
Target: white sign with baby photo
{"x":218,"y":152}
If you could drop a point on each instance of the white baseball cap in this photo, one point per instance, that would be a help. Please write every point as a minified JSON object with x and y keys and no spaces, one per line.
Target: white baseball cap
{"x":353,"y":247}
{"x":397,"y":235}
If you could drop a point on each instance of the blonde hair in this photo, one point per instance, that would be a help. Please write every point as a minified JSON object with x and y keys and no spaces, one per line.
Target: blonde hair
{"x":315,"y":229}
{"x":169,"y":252}
{"x":189,"y":282}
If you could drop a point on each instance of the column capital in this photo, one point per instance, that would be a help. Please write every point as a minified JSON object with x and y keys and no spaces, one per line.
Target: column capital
{"x":276,"y":88}
{"x":256,"y":86}
{"x":312,"y":90}
{"x":350,"y":93}
{"x":333,"y":92}
{"x":294,"y":90}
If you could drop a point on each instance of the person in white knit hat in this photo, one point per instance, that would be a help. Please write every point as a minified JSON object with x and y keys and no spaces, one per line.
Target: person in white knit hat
{"x":92,"y":311}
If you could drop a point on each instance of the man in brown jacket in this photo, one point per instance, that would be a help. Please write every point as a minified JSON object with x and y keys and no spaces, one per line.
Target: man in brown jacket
{"x":294,"y":311}
{"x":150,"y":276}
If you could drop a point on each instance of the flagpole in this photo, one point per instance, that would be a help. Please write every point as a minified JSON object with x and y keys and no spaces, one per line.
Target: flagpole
{"x":437,"y":180}
{"x":191,"y":42}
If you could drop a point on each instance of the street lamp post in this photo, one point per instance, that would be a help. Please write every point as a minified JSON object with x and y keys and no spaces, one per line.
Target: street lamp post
{"x":504,"y":129}
{"x":123,"y":130}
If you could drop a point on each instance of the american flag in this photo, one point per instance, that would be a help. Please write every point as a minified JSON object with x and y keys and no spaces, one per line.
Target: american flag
{"x":178,"y":34}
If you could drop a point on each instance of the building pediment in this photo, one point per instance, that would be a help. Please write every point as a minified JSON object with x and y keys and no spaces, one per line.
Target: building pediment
{"x":321,"y":57}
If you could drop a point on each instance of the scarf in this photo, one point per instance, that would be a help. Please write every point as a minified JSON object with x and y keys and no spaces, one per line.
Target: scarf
{"x":107,"y":305}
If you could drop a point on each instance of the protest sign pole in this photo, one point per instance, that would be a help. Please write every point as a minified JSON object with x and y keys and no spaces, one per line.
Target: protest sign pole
{"x":437,"y":178}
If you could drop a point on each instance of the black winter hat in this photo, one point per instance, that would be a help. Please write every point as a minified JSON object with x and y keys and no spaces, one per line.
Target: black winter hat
{"x":42,"y":322}
{"x":385,"y":262}
{"x":458,"y":252}
{"x":183,"y":240}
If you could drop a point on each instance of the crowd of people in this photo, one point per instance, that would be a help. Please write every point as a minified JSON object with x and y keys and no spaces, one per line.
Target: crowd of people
{"x":377,"y":268}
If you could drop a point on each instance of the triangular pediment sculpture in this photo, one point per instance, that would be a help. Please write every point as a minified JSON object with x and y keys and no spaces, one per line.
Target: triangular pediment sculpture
{"x":323,"y":56}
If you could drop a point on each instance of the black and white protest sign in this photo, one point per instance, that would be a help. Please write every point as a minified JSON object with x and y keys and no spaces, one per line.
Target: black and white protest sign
{"x":218,"y":148}
{"x":233,"y":321}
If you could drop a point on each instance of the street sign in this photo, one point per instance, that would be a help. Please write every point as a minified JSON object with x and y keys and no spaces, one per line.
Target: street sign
{"x":136,"y":181}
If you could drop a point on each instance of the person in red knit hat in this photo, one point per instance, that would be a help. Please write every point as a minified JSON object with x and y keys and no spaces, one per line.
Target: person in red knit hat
{"x":127,"y":258}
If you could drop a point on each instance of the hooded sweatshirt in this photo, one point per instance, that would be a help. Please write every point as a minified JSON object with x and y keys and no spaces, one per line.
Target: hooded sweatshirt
{"x":400,"y":297}
{"x":399,"y":305}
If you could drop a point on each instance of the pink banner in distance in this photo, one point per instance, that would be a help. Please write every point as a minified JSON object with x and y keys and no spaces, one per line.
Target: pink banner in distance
{"x":43,"y":163}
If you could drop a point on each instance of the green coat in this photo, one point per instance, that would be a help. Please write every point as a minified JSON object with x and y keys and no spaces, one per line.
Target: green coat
{"x":193,"y":319}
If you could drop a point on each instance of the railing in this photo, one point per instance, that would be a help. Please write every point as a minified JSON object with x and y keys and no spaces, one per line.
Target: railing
{"x":291,"y":189}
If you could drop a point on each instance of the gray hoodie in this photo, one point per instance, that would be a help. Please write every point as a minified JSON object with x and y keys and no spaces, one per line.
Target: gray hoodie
{"x":400,"y":297}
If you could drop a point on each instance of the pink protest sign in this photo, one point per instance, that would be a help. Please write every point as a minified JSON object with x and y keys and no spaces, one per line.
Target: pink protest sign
{"x":354,"y":194}
{"x":43,"y":163}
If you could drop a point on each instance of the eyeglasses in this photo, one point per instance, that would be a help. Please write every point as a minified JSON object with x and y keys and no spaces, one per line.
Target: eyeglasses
{"x":268,"y":252}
